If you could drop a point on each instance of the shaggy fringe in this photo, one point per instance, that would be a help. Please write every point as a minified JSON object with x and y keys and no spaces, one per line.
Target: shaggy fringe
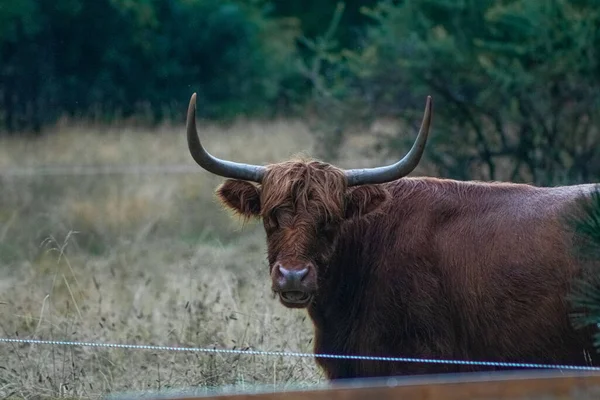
{"x":299,"y":184}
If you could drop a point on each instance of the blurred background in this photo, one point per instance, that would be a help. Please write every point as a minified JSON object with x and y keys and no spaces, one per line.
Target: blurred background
{"x":147,"y":255}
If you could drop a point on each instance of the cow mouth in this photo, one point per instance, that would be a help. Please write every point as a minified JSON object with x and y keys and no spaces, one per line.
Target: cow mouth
{"x":295,"y":297}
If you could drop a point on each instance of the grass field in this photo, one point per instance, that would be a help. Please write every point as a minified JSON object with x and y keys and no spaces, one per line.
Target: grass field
{"x":141,"y":259}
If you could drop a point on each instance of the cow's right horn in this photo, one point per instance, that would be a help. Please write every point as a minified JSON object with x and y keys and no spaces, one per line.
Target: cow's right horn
{"x":227,"y":169}
{"x":403,"y":167}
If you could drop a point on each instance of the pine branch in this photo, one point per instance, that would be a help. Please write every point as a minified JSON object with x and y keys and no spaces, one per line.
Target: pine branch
{"x":585,"y":296}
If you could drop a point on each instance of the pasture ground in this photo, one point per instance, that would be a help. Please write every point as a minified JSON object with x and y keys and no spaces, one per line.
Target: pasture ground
{"x":142,"y":259}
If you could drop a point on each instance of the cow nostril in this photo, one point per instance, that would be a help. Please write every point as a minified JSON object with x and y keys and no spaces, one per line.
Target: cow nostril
{"x":302,"y":273}
{"x":284,"y":272}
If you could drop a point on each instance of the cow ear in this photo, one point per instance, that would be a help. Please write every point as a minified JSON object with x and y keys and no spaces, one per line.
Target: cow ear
{"x":241,"y":196}
{"x":362,"y":200}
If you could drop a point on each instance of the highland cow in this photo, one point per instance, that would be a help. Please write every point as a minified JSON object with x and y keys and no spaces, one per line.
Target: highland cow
{"x":388,"y":265}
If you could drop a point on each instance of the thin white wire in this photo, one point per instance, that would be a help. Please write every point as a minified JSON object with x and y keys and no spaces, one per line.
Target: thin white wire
{"x":294,"y":354}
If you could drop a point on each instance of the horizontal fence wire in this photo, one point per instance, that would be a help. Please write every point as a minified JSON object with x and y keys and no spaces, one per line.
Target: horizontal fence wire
{"x":82,"y":170}
{"x":301,"y":355}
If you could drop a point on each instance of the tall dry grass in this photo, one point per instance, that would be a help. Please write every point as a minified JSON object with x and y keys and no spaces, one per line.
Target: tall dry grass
{"x":141,"y":259}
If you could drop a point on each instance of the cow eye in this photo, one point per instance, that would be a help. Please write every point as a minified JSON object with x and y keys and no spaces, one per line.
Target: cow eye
{"x":282,"y":215}
{"x":270,"y":224}
{"x":323,"y":226}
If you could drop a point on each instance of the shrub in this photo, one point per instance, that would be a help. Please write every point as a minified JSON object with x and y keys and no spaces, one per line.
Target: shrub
{"x":515,"y":84}
{"x":110,"y":58}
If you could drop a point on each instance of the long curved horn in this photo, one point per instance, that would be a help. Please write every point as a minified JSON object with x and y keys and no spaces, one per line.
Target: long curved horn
{"x":403,"y":167}
{"x":227,"y":169}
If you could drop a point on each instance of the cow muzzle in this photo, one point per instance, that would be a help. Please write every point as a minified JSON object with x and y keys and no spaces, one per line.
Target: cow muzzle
{"x":294,"y":283}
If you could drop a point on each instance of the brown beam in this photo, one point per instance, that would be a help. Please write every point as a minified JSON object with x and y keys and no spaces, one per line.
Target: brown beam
{"x":522,"y":385}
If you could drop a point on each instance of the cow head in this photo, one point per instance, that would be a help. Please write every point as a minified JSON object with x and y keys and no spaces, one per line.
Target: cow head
{"x":303,"y":204}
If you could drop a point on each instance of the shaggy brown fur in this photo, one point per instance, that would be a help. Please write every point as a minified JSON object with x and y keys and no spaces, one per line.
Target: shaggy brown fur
{"x":420,"y":267}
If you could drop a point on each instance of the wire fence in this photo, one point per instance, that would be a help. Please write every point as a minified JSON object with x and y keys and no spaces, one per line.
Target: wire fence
{"x":301,"y":355}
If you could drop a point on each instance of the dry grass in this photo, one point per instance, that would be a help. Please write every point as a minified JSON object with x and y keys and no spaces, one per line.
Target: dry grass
{"x":141,"y":259}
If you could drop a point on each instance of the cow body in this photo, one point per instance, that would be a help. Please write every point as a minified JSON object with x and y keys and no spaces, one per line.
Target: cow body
{"x":452,"y":270}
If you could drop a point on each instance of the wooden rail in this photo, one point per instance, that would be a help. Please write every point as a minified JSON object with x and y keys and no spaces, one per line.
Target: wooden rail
{"x":475,"y":386}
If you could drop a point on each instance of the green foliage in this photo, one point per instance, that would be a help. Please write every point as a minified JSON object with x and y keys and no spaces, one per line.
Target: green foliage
{"x":589,"y":226}
{"x":586,"y":291}
{"x":516,"y":84}
{"x":315,"y":17}
{"x":15,"y":13}
{"x":133,"y":57}
{"x":320,"y":68}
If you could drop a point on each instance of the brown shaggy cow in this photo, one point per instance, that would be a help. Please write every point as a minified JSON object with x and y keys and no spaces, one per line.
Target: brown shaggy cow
{"x":413,"y":267}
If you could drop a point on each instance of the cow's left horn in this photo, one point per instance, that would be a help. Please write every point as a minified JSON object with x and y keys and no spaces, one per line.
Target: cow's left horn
{"x":403,"y":167}
{"x":227,"y":169}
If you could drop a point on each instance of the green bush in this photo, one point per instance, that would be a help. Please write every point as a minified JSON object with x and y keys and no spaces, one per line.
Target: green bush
{"x":585,"y":297}
{"x":515,"y":84}
{"x":110,"y":58}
